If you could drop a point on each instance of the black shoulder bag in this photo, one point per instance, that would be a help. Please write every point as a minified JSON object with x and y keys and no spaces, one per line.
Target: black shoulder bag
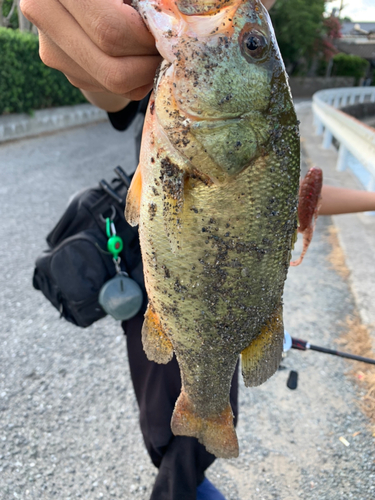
{"x":72,"y":272}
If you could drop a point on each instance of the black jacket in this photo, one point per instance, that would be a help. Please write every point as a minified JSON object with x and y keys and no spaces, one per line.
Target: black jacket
{"x":121,"y":120}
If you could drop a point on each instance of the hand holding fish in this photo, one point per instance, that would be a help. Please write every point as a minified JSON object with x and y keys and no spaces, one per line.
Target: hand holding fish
{"x":101,"y":47}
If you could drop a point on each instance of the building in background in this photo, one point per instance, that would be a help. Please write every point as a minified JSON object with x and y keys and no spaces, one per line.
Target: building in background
{"x":358,"y":39}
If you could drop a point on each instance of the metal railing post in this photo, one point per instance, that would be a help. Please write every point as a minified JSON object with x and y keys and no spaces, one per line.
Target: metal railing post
{"x":327,"y":139}
{"x":319,"y":127}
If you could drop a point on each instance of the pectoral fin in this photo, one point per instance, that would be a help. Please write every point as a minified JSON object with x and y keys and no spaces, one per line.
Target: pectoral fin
{"x":133,"y":199}
{"x":217,"y":434}
{"x":262,"y":358}
{"x":156,"y":344}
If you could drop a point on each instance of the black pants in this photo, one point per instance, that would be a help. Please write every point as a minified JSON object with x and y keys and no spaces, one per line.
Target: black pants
{"x":181,"y":460}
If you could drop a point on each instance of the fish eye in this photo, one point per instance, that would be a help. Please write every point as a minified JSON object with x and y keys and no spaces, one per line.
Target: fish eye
{"x":254,"y":45}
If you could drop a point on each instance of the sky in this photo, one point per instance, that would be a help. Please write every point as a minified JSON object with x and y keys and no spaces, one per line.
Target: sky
{"x":357,"y":10}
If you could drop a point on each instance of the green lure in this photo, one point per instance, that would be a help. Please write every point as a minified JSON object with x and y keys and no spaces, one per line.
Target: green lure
{"x":115,"y":243}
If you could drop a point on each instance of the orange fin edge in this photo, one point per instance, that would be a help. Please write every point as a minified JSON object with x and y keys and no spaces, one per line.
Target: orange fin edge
{"x":156,"y":344}
{"x":262,"y":357}
{"x":133,"y":199}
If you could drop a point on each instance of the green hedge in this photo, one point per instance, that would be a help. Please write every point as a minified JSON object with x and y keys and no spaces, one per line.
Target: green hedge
{"x":26,"y":84}
{"x":348,"y":65}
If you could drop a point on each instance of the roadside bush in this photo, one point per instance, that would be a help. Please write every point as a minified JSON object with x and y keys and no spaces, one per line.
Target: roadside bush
{"x":349,"y":65}
{"x":26,"y":84}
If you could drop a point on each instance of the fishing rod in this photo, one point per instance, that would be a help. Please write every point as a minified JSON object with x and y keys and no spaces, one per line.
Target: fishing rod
{"x":303,"y":345}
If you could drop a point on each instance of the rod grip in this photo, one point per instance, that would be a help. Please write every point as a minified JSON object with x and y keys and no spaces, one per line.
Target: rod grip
{"x":299,"y":344}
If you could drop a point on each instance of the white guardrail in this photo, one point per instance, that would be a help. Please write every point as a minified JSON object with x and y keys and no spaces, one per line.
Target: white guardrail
{"x":356,"y":139}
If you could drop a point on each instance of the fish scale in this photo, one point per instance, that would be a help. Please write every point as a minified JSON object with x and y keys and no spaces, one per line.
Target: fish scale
{"x":215,"y":197}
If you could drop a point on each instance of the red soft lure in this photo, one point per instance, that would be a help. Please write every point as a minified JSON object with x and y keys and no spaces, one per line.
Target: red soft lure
{"x":308,"y":207}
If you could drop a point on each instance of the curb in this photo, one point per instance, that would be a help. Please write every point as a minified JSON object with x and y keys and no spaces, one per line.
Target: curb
{"x":20,"y":126}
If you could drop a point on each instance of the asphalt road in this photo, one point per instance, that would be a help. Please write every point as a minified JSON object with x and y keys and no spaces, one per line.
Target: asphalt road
{"x":68,"y":417}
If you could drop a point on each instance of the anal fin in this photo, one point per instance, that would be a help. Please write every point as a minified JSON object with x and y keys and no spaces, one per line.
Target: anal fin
{"x":262,"y":358}
{"x":216,"y":433}
{"x":156,"y":344}
{"x":133,"y":199}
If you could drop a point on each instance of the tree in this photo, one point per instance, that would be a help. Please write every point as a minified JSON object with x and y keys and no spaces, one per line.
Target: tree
{"x":342,"y":6}
{"x":336,"y":11}
{"x":298,"y":25}
{"x":12,"y":17}
{"x":23,"y":23}
{"x":325,"y":47}
{"x":8,"y":14}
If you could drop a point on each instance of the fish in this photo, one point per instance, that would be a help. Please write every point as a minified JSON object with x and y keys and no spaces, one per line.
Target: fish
{"x":215,"y":197}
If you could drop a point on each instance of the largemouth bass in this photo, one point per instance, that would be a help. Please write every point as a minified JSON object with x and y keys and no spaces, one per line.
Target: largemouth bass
{"x":215,"y":196}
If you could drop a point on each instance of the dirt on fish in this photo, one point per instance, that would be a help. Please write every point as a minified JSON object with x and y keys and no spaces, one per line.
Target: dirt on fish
{"x":215,"y":197}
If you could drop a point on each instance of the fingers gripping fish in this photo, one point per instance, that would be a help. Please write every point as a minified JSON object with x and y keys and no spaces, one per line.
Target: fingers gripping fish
{"x":215,"y":196}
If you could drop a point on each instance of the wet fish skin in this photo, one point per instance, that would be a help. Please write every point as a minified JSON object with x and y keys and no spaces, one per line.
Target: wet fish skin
{"x":215,"y":196}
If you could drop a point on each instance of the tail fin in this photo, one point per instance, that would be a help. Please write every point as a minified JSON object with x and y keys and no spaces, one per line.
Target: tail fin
{"x":217,"y":434}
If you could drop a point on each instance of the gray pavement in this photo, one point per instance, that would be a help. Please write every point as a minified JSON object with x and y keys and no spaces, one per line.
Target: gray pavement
{"x":68,"y":416}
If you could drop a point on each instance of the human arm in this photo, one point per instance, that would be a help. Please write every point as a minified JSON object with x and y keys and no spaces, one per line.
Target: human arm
{"x":337,"y":200}
{"x":106,"y":100}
